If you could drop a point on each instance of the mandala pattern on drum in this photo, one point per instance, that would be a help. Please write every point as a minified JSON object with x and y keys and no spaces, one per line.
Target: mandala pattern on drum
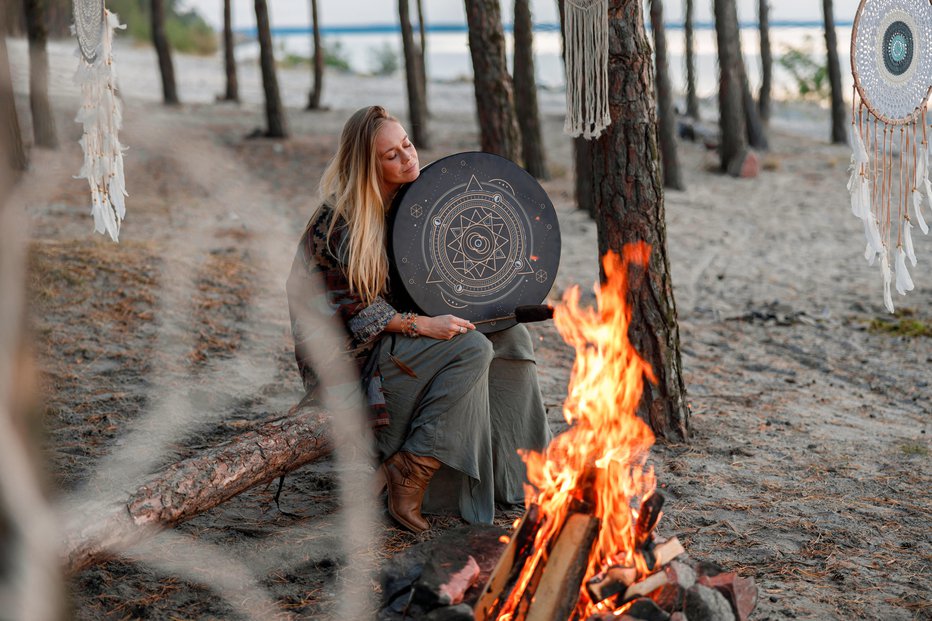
{"x":891,"y":57}
{"x":477,"y":242}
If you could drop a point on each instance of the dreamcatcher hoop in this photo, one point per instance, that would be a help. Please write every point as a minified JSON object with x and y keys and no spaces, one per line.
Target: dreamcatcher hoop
{"x":891,"y":62}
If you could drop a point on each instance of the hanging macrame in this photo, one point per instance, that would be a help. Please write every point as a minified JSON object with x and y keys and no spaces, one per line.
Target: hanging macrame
{"x":101,"y":114}
{"x":891,"y":60}
{"x":585,"y":35}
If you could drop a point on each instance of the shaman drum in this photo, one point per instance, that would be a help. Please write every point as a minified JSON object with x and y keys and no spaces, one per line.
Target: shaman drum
{"x":474,"y":236}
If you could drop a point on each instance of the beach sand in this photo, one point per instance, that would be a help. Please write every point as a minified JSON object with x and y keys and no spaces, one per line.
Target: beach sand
{"x":808,"y":466}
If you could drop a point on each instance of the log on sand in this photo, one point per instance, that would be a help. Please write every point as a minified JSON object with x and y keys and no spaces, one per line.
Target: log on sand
{"x":197,"y":484}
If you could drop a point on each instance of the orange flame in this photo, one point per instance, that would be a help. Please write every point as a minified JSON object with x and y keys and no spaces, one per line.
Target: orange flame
{"x":601,"y":459}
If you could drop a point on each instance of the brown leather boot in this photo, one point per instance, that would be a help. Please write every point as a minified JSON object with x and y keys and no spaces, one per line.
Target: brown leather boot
{"x":408,"y":475}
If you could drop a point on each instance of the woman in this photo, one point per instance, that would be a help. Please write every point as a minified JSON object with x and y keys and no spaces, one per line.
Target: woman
{"x":444,"y":397}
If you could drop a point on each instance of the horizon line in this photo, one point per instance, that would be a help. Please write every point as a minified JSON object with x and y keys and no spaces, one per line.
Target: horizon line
{"x":449,"y":27}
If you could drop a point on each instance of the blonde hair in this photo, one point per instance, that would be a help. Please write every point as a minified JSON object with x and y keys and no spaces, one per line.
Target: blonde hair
{"x":352,"y":185}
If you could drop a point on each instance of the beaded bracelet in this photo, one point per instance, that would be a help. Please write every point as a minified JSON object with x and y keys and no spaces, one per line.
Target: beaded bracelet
{"x":409,"y":325}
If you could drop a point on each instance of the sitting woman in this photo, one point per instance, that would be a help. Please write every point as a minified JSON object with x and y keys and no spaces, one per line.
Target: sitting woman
{"x":441,"y":393}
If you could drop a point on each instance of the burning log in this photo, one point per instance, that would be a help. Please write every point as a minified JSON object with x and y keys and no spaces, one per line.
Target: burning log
{"x":509,"y":566}
{"x":197,"y":484}
{"x":558,"y":590}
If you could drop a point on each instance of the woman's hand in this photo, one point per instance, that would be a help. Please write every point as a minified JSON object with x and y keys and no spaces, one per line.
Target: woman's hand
{"x":444,"y":327}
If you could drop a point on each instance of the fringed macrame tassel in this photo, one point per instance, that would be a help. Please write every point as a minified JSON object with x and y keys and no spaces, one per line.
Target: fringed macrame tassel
{"x":903,"y":282}
{"x":101,"y":115}
{"x":586,"y":45}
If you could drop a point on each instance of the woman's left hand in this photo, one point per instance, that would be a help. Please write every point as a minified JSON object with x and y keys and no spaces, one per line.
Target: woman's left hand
{"x":443,"y":327}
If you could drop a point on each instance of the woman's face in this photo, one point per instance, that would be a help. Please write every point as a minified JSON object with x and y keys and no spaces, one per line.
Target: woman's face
{"x":397,"y":156}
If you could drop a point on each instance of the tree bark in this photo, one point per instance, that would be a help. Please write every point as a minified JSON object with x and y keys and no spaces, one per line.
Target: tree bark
{"x":422,"y":30}
{"x":417,"y":100}
{"x":766,"y":61}
{"x":535,"y":160}
{"x":274,"y":111}
{"x":839,"y":113}
{"x":757,"y":135}
{"x":229,"y":60}
{"x":195,"y":485}
{"x":11,"y":136}
{"x":498,"y":129}
{"x":163,"y":51}
{"x":313,"y":98}
{"x":628,"y":190}
{"x":43,"y":119}
{"x":672,"y":175}
{"x":692,"y":99}
{"x":733,"y":145}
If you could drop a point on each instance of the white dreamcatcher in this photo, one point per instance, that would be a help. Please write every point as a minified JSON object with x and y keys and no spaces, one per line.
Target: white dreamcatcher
{"x":101,"y":114}
{"x":891,"y":60}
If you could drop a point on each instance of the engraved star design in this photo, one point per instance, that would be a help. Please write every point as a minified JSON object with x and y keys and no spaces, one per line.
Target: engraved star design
{"x":484,"y":251}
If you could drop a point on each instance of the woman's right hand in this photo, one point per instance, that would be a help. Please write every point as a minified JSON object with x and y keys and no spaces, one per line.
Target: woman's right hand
{"x":443,"y":327}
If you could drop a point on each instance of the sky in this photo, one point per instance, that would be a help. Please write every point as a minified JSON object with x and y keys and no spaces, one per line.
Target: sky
{"x":344,"y":12}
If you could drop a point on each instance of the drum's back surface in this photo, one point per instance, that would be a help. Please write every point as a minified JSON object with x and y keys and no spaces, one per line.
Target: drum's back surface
{"x":475,"y":236}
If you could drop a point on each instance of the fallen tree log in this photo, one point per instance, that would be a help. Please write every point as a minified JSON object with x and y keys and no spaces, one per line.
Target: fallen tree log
{"x":197,"y":484}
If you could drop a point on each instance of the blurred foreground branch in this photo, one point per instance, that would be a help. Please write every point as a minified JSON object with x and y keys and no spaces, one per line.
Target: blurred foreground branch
{"x":197,"y":484}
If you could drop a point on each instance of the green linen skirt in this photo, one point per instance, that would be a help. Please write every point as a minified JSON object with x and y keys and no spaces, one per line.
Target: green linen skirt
{"x":474,"y":403}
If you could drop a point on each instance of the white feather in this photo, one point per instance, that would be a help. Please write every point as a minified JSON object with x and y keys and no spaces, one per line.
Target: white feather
{"x":908,"y":241}
{"x":869,"y":255}
{"x":903,"y":282}
{"x":887,"y":281}
{"x":872,"y":232}
{"x":918,"y":207}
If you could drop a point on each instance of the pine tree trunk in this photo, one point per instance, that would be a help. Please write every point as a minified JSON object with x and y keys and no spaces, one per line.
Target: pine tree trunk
{"x":498,"y":129}
{"x":692,"y":99}
{"x":757,"y":135}
{"x":766,"y":61}
{"x":733,"y":146}
{"x":672,"y":175}
{"x":229,"y":60}
{"x":274,"y":111}
{"x":417,"y":106}
{"x":11,"y":137}
{"x":43,"y":119}
{"x":313,"y":98}
{"x":163,"y":51}
{"x":582,"y":160}
{"x":839,"y":113}
{"x":628,"y":187}
{"x":535,"y":161}
{"x":422,"y":31}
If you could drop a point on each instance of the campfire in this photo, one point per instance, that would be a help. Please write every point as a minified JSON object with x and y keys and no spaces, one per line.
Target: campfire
{"x":585,"y":548}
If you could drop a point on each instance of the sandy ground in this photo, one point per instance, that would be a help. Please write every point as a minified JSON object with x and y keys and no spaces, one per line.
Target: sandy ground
{"x":809,"y":462}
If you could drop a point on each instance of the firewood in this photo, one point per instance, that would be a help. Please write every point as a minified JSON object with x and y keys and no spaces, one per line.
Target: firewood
{"x":645,"y":587}
{"x":648,"y":516}
{"x":195,"y":485}
{"x":612,"y":581}
{"x":509,"y":566}
{"x":667,"y":551}
{"x":558,"y":591}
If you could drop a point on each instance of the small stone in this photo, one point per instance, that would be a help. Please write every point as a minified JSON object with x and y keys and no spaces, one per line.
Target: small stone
{"x":678,"y":616}
{"x":740,"y":592}
{"x":751,"y":166}
{"x":646,"y":609}
{"x":460,"y":612}
{"x":672,"y":595}
{"x":705,"y":604}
